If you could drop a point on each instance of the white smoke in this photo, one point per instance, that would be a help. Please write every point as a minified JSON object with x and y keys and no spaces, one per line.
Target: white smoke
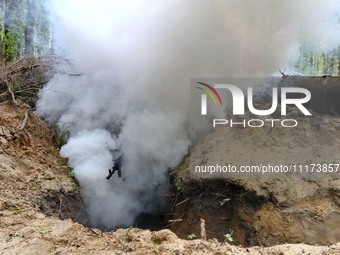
{"x":138,"y":57}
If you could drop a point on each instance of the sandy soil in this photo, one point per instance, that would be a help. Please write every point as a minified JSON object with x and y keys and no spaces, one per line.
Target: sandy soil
{"x":39,"y":204}
{"x":263,"y":211}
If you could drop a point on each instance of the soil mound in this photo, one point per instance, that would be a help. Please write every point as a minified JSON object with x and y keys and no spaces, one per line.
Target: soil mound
{"x":263,"y":211}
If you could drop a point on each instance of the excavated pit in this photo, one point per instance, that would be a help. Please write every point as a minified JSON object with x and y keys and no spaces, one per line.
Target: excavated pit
{"x":256,"y":211}
{"x":263,"y":211}
{"x":37,"y":190}
{"x":32,"y":173}
{"x":225,"y":206}
{"x":63,"y":205}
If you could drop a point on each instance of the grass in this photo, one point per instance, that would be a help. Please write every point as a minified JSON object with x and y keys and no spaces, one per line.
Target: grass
{"x":191,"y":236}
{"x":61,"y":135}
{"x":70,"y":174}
{"x":75,"y":187}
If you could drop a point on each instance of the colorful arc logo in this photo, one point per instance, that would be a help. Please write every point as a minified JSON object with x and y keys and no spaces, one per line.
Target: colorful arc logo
{"x":208,"y":92}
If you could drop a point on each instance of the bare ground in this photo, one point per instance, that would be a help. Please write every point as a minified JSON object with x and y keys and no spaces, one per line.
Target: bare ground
{"x":262,"y":211}
{"x":40,"y":205}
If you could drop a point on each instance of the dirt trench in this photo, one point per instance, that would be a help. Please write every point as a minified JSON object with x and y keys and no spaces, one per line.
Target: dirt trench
{"x":40,"y":205}
{"x":263,"y":212}
{"x":32,"y":174}
{"x":279,"y":209}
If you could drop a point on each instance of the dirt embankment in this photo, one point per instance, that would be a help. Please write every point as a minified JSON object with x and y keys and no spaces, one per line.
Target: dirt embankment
{"x":263,"y":211}
{"x":39,"y":204}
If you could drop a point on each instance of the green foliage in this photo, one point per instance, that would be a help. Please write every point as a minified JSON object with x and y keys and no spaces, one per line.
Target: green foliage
{"x":75,"y":187}
{"x":14,"y":41}
{"x":44,"y":231}
{"x":9,"y":238}
{"x":156,"y":246}
{"x":173,"y":174}
{"x":228,"y":236}
{"x":178,"y":186}
{"x":11,"y":40}
{"x":61,"y":135}
{"x":313,"y":60}
{"x":67,"y":166}
{"x":70,"y":174}
{"x":15,"y":37}
{"x":191,"y":236}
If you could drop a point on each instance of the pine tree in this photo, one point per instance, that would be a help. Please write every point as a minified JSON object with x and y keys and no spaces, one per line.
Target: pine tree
{"x":29,"y":28}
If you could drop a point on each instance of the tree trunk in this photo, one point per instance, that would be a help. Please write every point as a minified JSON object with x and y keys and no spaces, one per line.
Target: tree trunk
{"x":29,"y":29}
{"x":43,"y":29}
{"x":10,"y":36}
{"x":335,"y":71}
{"x":331,"y":64}
{"x":316,"y":64}
{"x":338,"y":62}
{"x":20,"y":19}
{"x":2,"y":20}
{"x":325,"y":64}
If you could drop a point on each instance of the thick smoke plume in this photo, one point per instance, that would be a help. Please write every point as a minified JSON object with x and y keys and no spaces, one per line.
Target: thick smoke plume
{"x":137,"y":57}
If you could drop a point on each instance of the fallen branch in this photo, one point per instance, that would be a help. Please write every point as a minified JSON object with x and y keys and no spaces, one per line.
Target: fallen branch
{"x":225,"y":200}
{"x":95,"y":231}
{"x":26,"y":76}
{"x":10,"y":90}
{"x":26,"y":90}
{"x":192,"y":221}
{"x":185,"y":200}
{"x":284,"y":76}
{"x":17,"y":61}
{"x":24,"y":122}
{"x":3,"y":93}
{"x":175,"y":220}
{"x":22,"y":68}
{"x":178,"y":220}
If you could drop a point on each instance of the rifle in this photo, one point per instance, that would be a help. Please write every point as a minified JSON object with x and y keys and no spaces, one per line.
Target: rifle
{"x":116,"y":167}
